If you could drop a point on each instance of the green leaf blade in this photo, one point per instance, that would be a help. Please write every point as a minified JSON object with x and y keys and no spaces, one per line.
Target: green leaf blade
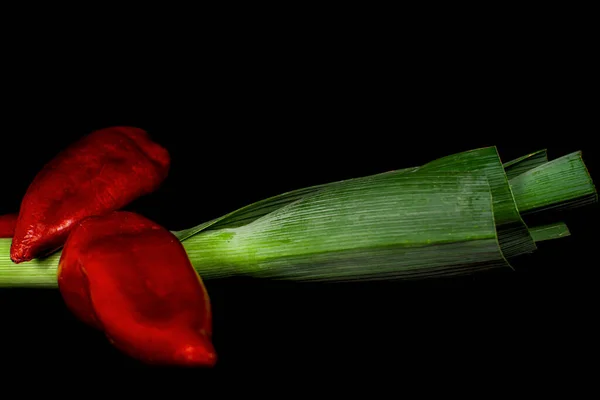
{"x":523,"y":164}
{"x":549,"y":232}
{"x":559,"y":184}
{"x":513,"y":234}
{"x":249,"y":213}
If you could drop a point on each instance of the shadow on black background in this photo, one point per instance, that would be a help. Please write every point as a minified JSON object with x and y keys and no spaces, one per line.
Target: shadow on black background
{"x":238,"y":139}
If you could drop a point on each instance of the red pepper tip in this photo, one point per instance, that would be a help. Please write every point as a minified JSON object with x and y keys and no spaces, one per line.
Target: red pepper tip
{"x":199,"y":355}
{"x":22,"y":251}
{"x":18,"y":254}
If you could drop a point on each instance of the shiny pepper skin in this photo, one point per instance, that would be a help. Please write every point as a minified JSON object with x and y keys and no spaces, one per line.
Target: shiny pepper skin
{"x":7,"y":225}
{"x":132,"y":279}
{"x":102,"y":172}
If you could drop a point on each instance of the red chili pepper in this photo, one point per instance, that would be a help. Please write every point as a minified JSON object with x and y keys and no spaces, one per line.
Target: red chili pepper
{"x":7,"y":225}
{"x":102,"y":172}
{"x":132,"y":278}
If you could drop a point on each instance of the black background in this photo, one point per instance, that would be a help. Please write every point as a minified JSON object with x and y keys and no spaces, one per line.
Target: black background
{"x":253,"y":122}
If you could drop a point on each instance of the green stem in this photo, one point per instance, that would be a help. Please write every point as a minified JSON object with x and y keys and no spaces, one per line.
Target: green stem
{"x":35,"y":273}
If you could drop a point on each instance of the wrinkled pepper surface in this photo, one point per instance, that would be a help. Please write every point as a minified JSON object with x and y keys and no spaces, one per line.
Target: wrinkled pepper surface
{"x":102,"y":172}
{"x":7,"y":225}
{"x":132,"y":279}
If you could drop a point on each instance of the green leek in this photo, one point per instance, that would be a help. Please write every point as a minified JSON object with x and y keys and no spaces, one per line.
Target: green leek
{"x":456,"y":215}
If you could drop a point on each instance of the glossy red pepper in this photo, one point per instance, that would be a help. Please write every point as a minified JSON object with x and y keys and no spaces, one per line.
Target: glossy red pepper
{"x":132,"y":278}
{"x":7,"y":225}
{"x":102,"y":172}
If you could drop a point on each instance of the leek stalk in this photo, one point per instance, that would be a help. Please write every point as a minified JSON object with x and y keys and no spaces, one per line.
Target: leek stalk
{"x":456,"y":215}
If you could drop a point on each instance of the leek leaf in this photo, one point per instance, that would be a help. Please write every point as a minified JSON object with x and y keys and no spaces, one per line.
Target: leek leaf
{"x":516,"y":167}
{"x":549,"y":232}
